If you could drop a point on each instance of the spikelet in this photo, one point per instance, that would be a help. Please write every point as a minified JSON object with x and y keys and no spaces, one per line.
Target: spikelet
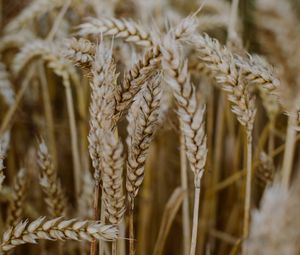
{"x":36,"y":9}
{"x":143,"y":119}
{"x":112,"y":177}
{"x":56,"y":229}
{"x":275,"y":226}
{"x":16,"y":206}
{"x":133,"y":81}
{"x":55,"y":197}
{"x":127,"y":30}
{"x":6,"y":88}
{"x":266,"y":170}
{"x":81,"y":52}
{"x":4,"y":145}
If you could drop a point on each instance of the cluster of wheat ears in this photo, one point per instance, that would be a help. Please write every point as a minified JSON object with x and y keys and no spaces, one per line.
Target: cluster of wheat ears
{"x":149,"y":127}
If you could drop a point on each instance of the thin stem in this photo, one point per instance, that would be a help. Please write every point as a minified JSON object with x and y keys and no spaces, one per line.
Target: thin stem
{"x":185,"y":205}
{"x":248,"y":185}
{"x":289,"y":152}
{"x":131,"y":232}
{"x":93,"y":249}
{"x":114,"y":248}
{"x":9,"y":114}
{"x":48,"y":110}
{"x":74,"y":140}
{"x":195,"y":221}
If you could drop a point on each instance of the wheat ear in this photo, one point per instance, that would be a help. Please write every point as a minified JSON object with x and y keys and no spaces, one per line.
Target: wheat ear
{"x":129,"y":31}
{"x":55,"y":197}
{"x":143,"y":118}
{"x":15,"y":208}
{"x":56,"y":229}
{"x":191,"y":119}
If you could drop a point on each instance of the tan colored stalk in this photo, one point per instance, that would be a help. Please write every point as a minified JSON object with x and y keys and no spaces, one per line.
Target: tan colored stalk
{"x":55,"y":230}
{"x":169,"y":214}
{"x":48,"y":110}
{"x":289,"y":151}
{"x":74,"y":139}
{"x":185,"y":205}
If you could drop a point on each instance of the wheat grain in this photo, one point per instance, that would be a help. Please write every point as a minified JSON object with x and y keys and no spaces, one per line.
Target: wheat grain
{"x":56,"y":229}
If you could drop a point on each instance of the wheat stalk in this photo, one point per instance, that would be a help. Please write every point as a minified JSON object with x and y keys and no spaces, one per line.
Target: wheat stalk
{"x":129,"y":31}
{"x":55,"y":197}
{"x":56,"y":229}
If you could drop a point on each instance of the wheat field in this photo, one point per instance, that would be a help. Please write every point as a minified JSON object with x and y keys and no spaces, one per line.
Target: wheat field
{"x":136,"y":127}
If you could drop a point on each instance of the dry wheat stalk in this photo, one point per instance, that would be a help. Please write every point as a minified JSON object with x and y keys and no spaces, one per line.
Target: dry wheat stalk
{"x":129,"y":31}
{"x":81,"y":52}
{"x":6,"y":88}
{"x":142,"y":118}
{"x":15,"y":208}
{"x":191,"y":118}
{"x":34,"y":10}
{"x":55,"y":197}
{"x":56,"y":229}
{"x":112,"y":178}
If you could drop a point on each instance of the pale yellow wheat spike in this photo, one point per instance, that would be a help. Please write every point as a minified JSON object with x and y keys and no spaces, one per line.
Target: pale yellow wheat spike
{"x":36,"y":9}
{"x":102,"y":104}
{"x":56,"y":229}
{"x":51,"y":185}
{"x":112,"y":177}
{"x":129,"y":31}
{"x":16,"y":205}
{"x":85,"y":200}
{"x":6,"y":88}
{"x":143,"y":118}
{"x":191,"y":116}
